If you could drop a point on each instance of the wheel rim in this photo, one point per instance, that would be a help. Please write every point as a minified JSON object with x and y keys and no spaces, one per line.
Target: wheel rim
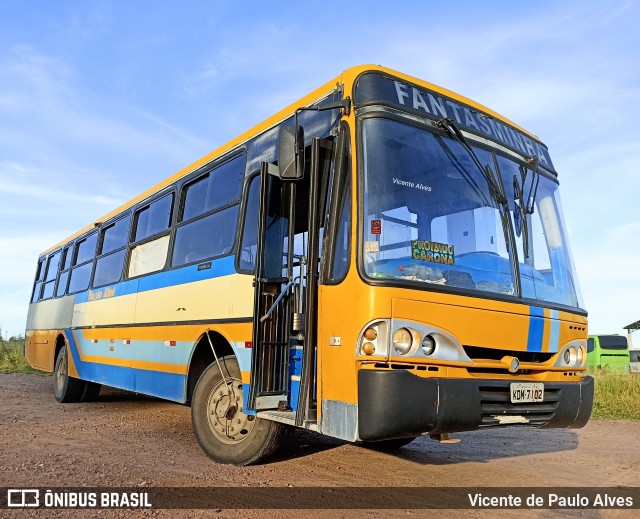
{"x":61,"y":373}
{"x":225,"y":416}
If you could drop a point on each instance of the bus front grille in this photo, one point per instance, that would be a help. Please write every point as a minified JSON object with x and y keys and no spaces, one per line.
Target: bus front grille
{"x":497,"y":408}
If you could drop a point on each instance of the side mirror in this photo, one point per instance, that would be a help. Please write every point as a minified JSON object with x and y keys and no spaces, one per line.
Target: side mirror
{"x":291,"y":152}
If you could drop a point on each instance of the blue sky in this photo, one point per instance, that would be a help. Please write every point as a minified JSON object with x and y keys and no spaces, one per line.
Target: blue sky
{"x":101,"y":100}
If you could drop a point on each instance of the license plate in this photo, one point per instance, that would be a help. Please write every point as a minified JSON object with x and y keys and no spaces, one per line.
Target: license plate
{"x":527,"y":392}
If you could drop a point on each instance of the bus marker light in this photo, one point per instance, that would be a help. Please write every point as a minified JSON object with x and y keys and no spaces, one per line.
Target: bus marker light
{"x":368,"y":348}
{"x":126,"y":341}
{"x":248,"y":344}
{"x":371,"y":334}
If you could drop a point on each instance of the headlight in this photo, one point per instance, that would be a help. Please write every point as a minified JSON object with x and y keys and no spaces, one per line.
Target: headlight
{"x":428,"y":345}
{"x":571,"y":356}
{"x":402,"y":341}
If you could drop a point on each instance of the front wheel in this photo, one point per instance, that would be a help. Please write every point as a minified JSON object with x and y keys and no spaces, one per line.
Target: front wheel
{"x":225,"y":433}
{"x":65,"y":388}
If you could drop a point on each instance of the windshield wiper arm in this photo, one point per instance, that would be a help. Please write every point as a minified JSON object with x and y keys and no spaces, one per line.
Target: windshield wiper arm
{"x":526,"y":204}
{"x":533,"y":189}
{"x":495,"y":186}
{"x":521,"y":218}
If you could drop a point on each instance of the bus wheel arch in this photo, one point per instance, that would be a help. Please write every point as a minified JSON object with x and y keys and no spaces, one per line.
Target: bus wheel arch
{"x":65,"y":388}
{"x":61,"y":342}
{"x":202,"y":357}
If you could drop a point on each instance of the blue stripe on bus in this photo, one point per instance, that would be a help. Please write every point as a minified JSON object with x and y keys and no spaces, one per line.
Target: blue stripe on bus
{"x":536,"y":329}
{"x":220,"y":267}
{"x":554,"y":335}
{"x":170,"y":386}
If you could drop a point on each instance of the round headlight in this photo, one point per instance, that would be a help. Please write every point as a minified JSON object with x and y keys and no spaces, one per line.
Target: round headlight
{"x":402,"y":341}
{"x":428,"y":345}
{"x":570,"y":356}
{"x":580,"y":356}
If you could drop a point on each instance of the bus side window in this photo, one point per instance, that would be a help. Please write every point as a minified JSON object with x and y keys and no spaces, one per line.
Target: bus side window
{"x":38,"y":283}
{"x":83,"y":263}
{"x":341,"y":252}
{"x":50,"y":276}
{"x":112,"y":249}
{"x":209,"y":216}
{"x":249,"y":243}
{"x":590,"y":345}
{"x":151,"y":237}
{"x":65,"y":265}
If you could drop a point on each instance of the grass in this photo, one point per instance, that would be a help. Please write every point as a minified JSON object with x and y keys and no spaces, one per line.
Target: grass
{"x":617,"y":397}
{"x":12,"y":357}
{"x":13,"y":361}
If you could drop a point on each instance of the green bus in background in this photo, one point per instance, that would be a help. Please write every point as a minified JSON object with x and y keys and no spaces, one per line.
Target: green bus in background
{"x":608,"y":353}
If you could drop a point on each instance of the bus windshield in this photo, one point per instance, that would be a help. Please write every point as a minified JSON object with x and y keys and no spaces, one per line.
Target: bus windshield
{"x":613,"y":342}
{"x":430,"y":218}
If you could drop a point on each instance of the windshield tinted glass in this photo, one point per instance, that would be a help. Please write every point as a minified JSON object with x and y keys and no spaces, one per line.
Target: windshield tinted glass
{"x":613,"y":342}
{"x":430,"y":218}
{"x":546,"y":269}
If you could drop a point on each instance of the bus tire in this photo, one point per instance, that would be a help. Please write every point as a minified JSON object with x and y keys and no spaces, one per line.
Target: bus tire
{"x":91,"y":392}
{"x":65,"y":388}
{"x":224,"y":432}
{"x":389,"y":445}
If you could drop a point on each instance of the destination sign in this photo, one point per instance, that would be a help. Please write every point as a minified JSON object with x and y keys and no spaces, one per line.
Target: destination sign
{"x":376,"y":88}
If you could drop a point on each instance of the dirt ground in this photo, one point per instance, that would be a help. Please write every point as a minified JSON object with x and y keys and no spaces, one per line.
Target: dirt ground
{"x":128,"y":440}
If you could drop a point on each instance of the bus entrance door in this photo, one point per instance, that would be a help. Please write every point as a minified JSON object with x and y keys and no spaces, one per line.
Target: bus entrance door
{"x":273,"y":299}
{"x":283,"y":369}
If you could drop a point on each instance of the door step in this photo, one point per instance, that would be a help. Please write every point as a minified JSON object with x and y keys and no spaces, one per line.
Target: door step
{"x":286,"y":417}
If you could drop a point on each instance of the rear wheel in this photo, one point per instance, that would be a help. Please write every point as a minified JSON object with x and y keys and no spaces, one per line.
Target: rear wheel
{"x":225,"y":433}
{"x":65,"y":388}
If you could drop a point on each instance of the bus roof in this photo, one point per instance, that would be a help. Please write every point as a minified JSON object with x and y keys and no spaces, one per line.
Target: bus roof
{"x":347,"y":79}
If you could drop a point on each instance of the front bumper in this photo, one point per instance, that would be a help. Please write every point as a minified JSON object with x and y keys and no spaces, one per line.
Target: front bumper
{"x":396,"y":403}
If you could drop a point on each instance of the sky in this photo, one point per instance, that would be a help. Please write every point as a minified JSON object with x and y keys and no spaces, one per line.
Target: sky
{"x":101,"y":100}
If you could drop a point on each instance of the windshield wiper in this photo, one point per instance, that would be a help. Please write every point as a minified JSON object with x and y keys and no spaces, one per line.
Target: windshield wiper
{"x":535,"y":180}
{"x":496,"y":189}
{"x":526,"y":204}
{"x":495,"y":184}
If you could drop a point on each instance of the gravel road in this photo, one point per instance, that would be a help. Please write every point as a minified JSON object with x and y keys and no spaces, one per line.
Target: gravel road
{"x":128,"y":440}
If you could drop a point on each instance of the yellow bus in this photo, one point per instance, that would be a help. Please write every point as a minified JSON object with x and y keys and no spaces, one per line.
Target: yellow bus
{"x":382,"y":259}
